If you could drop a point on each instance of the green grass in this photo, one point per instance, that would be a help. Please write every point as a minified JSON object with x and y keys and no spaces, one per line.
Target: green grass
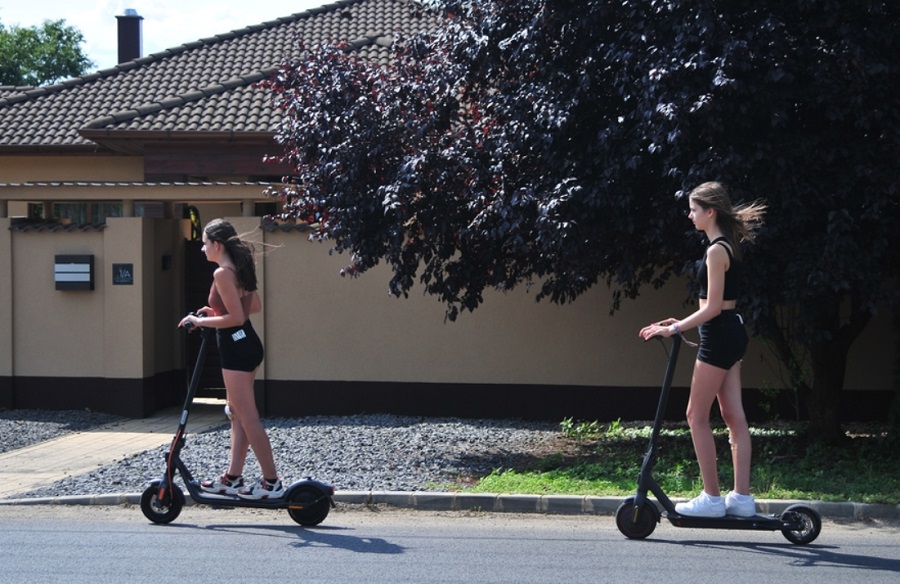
{"x":599,"y":459}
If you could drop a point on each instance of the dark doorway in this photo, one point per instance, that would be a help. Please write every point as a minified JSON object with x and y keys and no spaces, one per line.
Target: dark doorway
{"x":198,"y":278}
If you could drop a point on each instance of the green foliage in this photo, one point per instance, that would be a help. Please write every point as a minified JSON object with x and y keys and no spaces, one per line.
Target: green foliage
{"x":554,"y":141}
{"x":582,"y":432}
{"x":41,"y":55}
{"x":864,"y":470}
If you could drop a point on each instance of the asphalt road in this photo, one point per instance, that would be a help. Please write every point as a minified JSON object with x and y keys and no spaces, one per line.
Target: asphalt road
{"x":51,"y":543}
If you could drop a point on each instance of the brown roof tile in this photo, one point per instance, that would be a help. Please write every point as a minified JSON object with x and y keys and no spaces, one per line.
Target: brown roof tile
{"x":53,"y":226}
{"x":203,"y":86}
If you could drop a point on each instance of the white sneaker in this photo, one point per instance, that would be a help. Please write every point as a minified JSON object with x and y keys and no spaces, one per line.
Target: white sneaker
{"x":262,"y":489}
{"x":740,"y":505}
{"x":702,"y":505}
{"x":223,"y":485}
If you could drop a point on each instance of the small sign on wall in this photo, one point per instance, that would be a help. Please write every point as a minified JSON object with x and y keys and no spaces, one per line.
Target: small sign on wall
{"x":122,"y":274}
{"x":73,"y":272}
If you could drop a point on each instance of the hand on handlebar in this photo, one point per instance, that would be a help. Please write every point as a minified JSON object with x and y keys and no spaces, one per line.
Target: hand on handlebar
{"x":662,"y":328}
{"x":191,"y":320}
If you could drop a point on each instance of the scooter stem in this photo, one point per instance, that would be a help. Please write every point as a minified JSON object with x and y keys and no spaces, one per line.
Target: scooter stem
{"x":667,"y":384}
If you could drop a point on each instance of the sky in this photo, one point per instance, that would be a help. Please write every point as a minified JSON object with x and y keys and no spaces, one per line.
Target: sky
{"x":167,"y":23}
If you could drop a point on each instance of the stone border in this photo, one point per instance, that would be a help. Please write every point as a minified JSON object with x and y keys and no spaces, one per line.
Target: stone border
{"x":498,"y":503}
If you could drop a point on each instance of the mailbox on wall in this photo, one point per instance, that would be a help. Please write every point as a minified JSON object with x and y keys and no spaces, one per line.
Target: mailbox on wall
{"x":74,"y":272}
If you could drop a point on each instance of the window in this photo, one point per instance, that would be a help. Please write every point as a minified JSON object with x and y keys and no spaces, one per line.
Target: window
{"x":36,"y":211}
{"x":86,"y":213}
{"x":150,"y":209}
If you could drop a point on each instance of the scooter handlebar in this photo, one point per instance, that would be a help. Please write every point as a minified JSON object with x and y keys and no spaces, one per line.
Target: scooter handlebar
{"x":189,"y":325}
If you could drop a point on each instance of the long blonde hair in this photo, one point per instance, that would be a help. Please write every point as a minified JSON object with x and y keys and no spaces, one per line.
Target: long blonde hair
{"x":737,"y":223}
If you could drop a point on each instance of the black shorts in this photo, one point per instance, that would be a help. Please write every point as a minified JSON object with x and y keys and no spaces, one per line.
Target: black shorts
{"x":723,"y":340}
{"x":239,"y":347}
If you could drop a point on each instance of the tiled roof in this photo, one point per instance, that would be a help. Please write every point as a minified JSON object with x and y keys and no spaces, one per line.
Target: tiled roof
{"x":13,"y":90}
{"x":55,"y":226}
{"x":203,"y":86}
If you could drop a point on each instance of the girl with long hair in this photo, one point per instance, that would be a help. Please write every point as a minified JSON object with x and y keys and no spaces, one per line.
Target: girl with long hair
{"x":723,"y":341}
{"x":233,"y":297}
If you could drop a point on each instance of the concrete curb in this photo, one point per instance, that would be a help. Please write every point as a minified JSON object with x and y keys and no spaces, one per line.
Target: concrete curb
{"x":499,"y":503}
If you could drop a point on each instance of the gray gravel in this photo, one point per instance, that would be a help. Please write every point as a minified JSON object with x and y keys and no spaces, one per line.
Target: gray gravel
{"x":365,"y":452}
{"x":21,"y":428}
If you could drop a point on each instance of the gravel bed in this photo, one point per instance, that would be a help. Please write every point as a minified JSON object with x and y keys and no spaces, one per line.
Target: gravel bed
{"x":21,"y":428}
{"x":365,"y":452}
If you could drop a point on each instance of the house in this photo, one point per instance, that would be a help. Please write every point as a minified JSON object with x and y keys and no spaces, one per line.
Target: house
{"x":100,"y":177}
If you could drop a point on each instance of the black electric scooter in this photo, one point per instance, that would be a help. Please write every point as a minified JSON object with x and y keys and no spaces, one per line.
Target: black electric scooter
{"x":637,"y":516}
{"x":307,"y":501}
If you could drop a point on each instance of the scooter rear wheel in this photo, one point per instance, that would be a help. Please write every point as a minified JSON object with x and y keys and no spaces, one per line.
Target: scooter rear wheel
{"x":646,"y":522}
{"x":159,"y":511}
{"x":308,"y":505}
{"x":809,"y":519}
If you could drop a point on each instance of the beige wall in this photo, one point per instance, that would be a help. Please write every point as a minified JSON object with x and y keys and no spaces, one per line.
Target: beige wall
{"x":351,"y":329}
{"x":324,"y":327}
{"x":214,"y":210}
{"x":318,"y":326}
{"x":55,"y":333}
{"x":127,"y":308}
{"x":18,"y":169}
{"x":6,"y":299}
{"x":110,"y":331}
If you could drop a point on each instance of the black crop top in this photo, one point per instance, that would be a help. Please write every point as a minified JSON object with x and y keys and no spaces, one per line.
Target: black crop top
{"x":732,"y":274}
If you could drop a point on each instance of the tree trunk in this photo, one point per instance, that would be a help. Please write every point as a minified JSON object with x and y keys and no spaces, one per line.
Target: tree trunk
{"x":823,"y":402}
{"x":829,"y":367}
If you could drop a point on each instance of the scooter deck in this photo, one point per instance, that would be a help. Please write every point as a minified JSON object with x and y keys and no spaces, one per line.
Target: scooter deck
{"x":760,"y":522}
{"x":222,"y":500}
{"x":214,"y":500}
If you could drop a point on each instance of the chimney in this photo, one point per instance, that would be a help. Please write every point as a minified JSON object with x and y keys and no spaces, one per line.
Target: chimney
{"x":130,"y":42}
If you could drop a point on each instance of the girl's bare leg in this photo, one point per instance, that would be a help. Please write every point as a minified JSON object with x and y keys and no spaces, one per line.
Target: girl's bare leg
{"x":739,"y":431}
{"x":705,"y":385}
{"x":247,"y":429}
{"x":239,"y":446}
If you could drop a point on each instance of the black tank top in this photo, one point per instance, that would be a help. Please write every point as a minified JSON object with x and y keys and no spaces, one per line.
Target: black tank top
{"x":732,"y":274}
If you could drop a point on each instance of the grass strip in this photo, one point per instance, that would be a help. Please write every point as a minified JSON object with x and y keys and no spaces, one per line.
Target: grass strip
{"x":604,"y":460}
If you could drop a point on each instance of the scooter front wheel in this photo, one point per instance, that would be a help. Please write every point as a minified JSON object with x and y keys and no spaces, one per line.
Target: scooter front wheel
{"x":639,"y":527}
{"x":162,"y":511}
{"x":807,"y":518}
{"x":308,"y":505}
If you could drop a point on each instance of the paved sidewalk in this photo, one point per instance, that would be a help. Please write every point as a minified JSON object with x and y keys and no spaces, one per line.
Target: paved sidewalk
{"x":36,"y":466}
{"x":43,"y":464}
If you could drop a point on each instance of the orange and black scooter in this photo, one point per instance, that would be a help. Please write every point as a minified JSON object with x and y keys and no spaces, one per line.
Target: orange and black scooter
{"x":307,"y":501}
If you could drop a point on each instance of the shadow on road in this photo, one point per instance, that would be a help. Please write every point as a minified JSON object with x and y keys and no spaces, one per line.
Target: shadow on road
{"x":320,"y":536}
{"x":810,"y":555}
